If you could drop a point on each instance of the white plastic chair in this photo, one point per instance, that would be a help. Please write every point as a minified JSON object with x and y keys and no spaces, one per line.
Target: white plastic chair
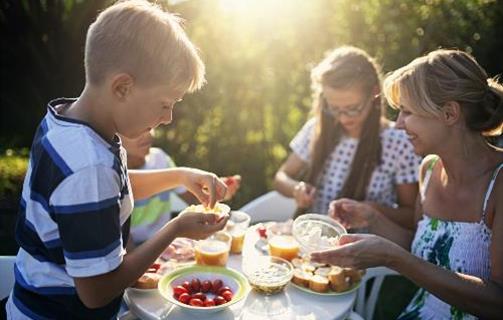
{"x":6,"y":275}
{"x":271,"y":206}
{"x":364,"y":305}
{"x":354,"y":316}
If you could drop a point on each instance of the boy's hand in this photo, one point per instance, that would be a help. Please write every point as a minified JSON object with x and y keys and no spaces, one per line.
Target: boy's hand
{"x":205,"y":186}
{"x":196,"y":225}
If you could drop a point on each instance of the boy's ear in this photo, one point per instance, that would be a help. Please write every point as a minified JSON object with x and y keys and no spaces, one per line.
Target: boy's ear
{"x":451,"y":112}
{"x":122,"y":84}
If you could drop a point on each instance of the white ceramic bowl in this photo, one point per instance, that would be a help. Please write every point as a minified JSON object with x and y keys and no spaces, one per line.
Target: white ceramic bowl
{"x":230,"y":277}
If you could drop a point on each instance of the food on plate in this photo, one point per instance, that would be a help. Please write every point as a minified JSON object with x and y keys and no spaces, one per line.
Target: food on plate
{"x":322,"y":271}
{"x":180,"y":250}
{"x":148,"y":280}
{"x":354,"y":275}
{"x":318,"y":283}
{"x":337,"y":278}
{"x":301,"y":277}
{"x":203,"y":294}
{"x":323,"y":277}
{"x":283,"y":246}
{"x":297,"y":262}
{"x":279,"y":228}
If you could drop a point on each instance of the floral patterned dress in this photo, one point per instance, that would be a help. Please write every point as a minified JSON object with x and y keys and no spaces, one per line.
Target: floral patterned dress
{"x":457,"y":246}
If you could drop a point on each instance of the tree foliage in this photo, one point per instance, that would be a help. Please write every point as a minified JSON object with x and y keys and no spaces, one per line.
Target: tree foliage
{"x":258,"y":56}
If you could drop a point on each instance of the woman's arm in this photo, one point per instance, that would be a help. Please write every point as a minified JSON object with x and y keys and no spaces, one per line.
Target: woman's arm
{"x":284,"y":180}
{"x":403,"y":215}
{"x":465,"y":292}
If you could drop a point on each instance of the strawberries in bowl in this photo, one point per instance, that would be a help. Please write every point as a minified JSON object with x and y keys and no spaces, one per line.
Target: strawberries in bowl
{"x":203,"y":289}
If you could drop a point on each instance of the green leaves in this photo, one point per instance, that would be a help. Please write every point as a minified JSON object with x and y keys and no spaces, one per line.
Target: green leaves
{"x":258,"y":56}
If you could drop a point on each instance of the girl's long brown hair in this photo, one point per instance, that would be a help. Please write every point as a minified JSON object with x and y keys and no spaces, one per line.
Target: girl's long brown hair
{"x":346,"y":67}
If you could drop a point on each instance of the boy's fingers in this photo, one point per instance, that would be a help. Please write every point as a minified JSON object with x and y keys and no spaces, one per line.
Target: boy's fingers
{"x":202,"y":197}
{"x":209,"y":218}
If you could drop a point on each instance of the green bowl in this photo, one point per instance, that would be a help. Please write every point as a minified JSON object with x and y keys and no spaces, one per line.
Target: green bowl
{"x":230,"y":277}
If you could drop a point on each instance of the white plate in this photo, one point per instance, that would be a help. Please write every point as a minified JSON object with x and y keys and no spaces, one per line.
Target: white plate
{"x":142,"y":291}
{"x":329,"y":292}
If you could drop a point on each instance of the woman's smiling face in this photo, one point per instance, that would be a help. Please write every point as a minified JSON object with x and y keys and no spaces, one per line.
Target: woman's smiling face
{"x":425,"y":133}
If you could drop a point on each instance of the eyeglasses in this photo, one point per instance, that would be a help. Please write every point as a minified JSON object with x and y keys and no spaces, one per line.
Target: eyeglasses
{"x":349,"y":112}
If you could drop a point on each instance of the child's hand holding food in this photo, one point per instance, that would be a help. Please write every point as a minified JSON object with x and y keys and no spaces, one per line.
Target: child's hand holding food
{"x":205,"y":186}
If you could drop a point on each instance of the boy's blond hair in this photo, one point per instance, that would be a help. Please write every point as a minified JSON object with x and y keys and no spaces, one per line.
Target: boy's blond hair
{"x":139,"y":38}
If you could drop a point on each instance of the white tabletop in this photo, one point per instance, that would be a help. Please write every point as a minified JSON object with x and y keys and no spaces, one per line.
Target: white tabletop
{"x":292,"y":304}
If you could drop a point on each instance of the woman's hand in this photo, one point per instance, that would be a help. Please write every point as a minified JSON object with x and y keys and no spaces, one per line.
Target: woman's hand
{"x":359,"y":251}
{"x":303,"y":194}
{"x":352,"y":214}
{"x":196,"y":225}
{"x":205,"y":186}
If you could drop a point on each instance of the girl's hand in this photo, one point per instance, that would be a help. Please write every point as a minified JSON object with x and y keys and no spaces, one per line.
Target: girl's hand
{"x":304,"y":194}
{"x":196,"y":225}
{"x":352,"y":214}
{"x":205,"y":186}
{"x":233,"y":183}
{"x":359,"y":251}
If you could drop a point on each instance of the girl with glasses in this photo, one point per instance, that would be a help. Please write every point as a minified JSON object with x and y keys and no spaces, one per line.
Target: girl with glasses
{"x":347,"y":151}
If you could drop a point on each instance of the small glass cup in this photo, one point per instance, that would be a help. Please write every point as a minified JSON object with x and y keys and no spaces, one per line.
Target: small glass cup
{"x":236,"y":226}
{"x":214,"y":251}
{"x":284,"y":246}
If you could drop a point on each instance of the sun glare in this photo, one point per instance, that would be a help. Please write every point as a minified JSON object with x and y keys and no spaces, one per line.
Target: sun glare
{"x":256,"y":7}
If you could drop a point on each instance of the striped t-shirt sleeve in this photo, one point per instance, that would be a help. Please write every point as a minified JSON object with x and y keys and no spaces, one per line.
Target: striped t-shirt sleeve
{"x":86,"y":208}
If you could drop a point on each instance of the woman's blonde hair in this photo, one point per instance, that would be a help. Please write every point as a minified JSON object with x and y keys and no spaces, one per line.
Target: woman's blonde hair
{"x":343,"y":68}
{"x":428,"y":82}
{"x":139,"y":38}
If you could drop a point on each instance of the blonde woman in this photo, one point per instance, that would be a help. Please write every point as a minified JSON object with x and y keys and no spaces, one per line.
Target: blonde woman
{"x":348,"y":151}
{"x":448,"y":107}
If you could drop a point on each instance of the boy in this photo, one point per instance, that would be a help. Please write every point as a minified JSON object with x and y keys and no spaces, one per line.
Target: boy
{"x":77,"y":196}
{"x":150,"y":215}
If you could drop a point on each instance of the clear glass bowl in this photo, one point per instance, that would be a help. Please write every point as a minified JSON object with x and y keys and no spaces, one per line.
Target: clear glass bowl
{"x":268,"y":275}
{"x":316,"y":232}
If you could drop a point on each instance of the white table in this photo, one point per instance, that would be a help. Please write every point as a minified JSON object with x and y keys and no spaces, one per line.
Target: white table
{"x":292,"y":304}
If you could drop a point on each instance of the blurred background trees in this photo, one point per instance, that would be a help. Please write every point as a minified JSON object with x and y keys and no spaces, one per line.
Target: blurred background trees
{"x":258,"y":55}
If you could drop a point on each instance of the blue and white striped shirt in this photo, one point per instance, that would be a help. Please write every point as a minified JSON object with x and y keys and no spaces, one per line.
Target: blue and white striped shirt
{"x":73,"y":220}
